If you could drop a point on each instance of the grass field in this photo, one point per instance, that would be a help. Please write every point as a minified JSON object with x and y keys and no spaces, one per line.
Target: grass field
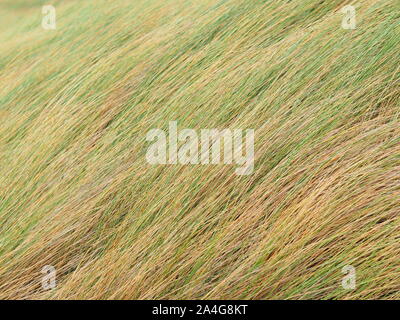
{"x":77,"y":193}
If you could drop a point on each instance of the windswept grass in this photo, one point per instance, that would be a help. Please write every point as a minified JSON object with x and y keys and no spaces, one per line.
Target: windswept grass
{"x":77,"y":193}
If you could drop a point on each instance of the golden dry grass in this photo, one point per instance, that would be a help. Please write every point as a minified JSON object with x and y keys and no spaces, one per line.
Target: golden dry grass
{"x":77,"y":193}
